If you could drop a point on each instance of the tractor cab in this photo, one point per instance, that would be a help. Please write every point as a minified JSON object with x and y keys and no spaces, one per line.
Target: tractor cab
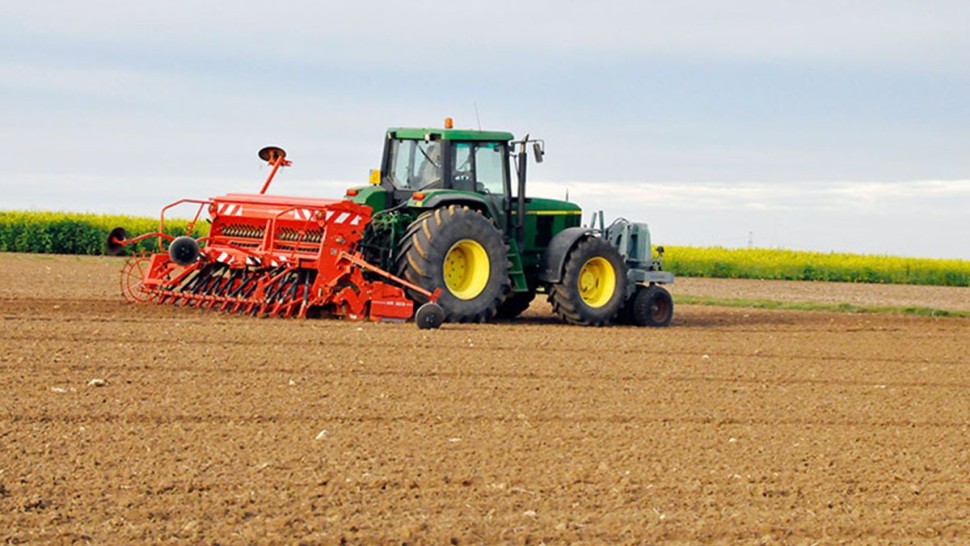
{"x":432,"y":167}
{"x":437,"y":161}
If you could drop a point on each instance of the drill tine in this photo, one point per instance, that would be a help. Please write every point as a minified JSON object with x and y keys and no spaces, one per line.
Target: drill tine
{"x":192,"y":288}
{"x":219,"y":294}
{"x":285,"y":294}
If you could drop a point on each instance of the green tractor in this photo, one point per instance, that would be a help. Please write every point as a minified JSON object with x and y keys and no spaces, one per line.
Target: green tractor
{"x":447,"y":213}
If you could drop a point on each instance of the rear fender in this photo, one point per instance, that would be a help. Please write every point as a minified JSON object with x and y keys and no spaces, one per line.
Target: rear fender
{"x":554,"y":258}
{"x":445,"y":198}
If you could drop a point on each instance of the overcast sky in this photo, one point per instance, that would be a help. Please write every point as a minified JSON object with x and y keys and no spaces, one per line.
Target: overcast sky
{"x":822,"y":125}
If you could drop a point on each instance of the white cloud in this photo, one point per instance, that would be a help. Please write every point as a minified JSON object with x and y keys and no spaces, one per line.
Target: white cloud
{"x":406,"y":34}
{"x":917,"y":218}
{"x":927,"y":196}
{"x":127,"y":83}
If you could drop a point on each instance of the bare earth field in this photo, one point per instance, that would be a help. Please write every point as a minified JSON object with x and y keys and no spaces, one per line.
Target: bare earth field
{"x":122,"y":423}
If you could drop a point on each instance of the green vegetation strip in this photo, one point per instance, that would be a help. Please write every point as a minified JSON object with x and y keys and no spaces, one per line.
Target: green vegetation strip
{"x":818,"y":306}
{"x":78,"y":233}
{"x":777,"y":264}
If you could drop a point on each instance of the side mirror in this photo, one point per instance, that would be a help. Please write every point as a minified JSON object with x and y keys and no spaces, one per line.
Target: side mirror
{"x":538,"y":152}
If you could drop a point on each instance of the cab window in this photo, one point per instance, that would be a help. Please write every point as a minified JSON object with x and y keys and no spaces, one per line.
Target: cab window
{"x":478,"y":167}
{"x":415,"y":164}
{"x":463,"y":167}
{"x":490,"y":167}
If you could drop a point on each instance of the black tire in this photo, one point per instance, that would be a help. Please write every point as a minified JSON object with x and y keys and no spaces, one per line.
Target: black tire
{"x":593,"y":285}
{"x":651,"y":306}
{"x":439,"y":249}
{"x":184,"y":251}
{"x":515,"y":304}
{"x":429,"y":316}
{"x":405,"y":242}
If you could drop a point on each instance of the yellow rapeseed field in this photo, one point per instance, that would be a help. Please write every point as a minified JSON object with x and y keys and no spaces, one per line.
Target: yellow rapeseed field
{"x":763,"y":263}
{"x":77,"y":233}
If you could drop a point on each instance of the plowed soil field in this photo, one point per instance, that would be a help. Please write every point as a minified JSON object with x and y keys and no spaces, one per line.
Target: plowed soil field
{"x":130,"y":424}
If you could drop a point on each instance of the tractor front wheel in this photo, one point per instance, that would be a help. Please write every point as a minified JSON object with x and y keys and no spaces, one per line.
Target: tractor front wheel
{"x":462,"y":252}
{"x":593,"y":284}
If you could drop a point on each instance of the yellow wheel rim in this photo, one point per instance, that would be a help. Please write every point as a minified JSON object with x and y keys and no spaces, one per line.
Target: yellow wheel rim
{"x":466,"y":269}
{"x":597,"y":282}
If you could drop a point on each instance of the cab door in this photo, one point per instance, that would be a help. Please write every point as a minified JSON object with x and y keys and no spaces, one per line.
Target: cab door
{"x":482,"y":167}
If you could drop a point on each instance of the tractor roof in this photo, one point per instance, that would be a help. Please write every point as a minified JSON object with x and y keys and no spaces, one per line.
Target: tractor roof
{"x":449,"y":134}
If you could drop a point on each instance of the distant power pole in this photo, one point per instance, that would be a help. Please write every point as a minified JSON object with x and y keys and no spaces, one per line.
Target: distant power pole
{"x":750,"y":239}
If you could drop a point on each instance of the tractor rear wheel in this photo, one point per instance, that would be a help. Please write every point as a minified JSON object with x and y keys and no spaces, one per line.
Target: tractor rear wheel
{"x":593,"y":284}
{"x":460,"y":251}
